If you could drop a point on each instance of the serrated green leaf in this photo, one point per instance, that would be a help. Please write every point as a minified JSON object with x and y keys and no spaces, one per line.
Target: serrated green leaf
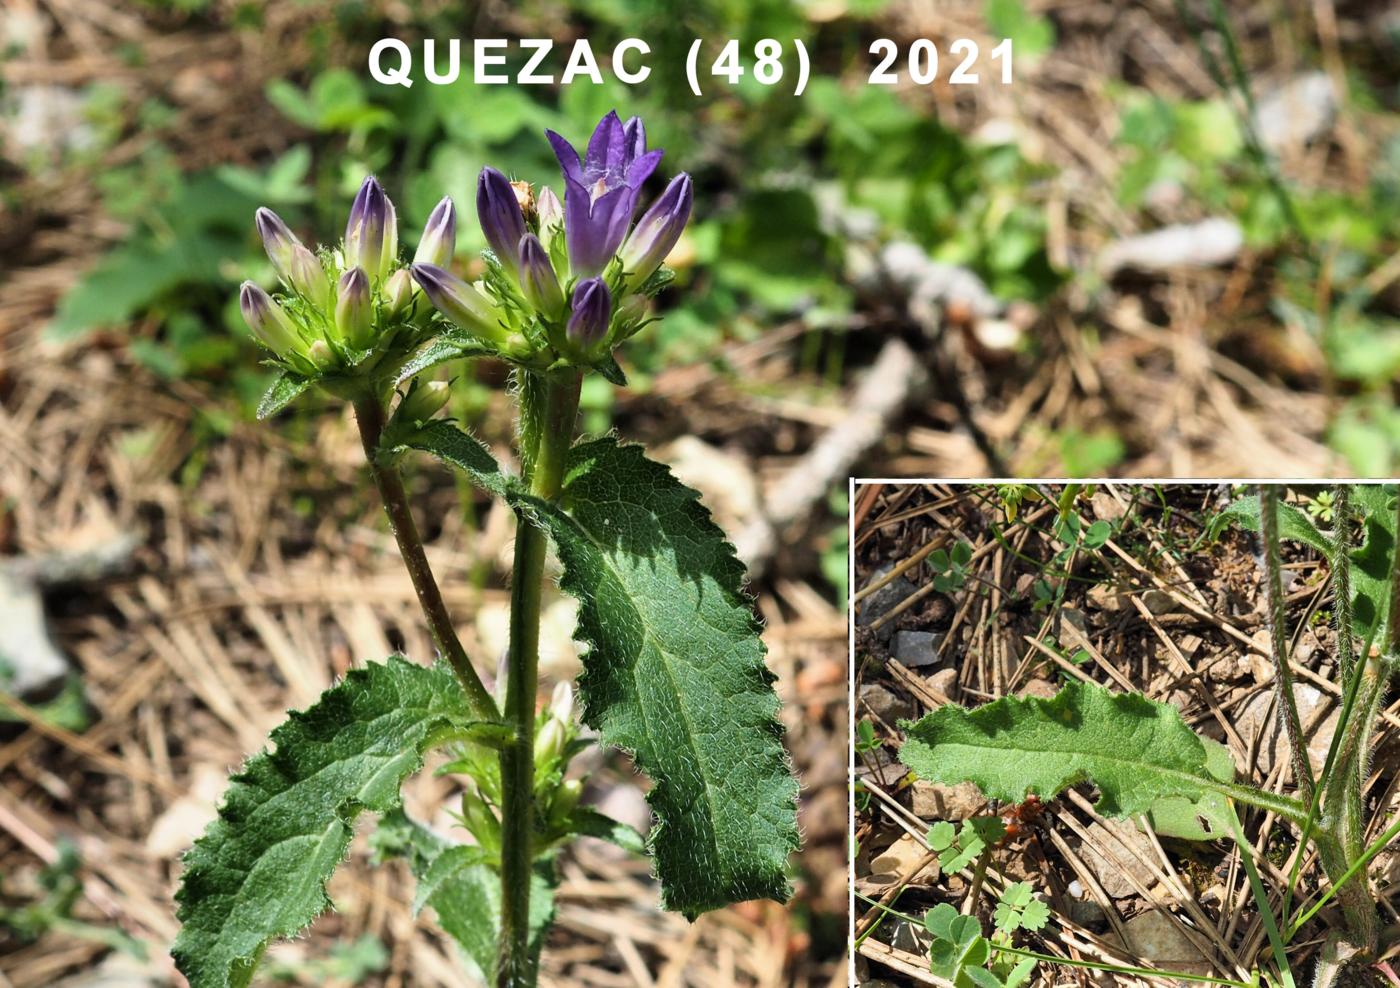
{"x":941,"y":835}
{"x":461,"y":885}
{"x":1136,"y":750}
{"x":283,"y":391}
{"x":674,"y":673}
{"x":259,"y":872}
{"x":1035,"y":915}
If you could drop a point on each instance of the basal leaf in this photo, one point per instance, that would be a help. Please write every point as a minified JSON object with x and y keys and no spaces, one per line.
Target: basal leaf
{"x":674,"y":673}
{"x":1204,"y":819}
{"x":259,"y":871}
{"x":283,"y":391}
{"x":1136,"y":750}
{"x":1372,"y":562}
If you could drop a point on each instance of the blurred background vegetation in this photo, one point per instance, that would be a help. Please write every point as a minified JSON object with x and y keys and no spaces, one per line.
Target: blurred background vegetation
{"x":1022,"y":185}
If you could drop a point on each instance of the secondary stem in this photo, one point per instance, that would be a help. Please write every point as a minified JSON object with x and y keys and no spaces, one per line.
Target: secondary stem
{"x":369,"y":415}
{"x":1283,"y":673}
{"x":549,"y":405}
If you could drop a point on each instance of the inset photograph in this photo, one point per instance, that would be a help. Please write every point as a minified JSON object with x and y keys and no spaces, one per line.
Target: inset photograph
{"x":1125,"y":734}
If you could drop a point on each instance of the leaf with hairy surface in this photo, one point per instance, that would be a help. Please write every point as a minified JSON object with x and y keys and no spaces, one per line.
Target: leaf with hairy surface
{"x":260,"y":870}
{"x":674,"y":673}
{"x":1137,"y":751}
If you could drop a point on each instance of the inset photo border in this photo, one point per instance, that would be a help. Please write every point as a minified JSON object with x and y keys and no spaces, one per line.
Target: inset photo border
{"x":1127,"y":732}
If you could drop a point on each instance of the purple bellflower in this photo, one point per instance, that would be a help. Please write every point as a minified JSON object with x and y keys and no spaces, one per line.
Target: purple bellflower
{"x":538,"y":282}
{"x":498,"y":212}
{"x":591,"y":309}
{"x":600,"y":189}
{"x":439,"y":241}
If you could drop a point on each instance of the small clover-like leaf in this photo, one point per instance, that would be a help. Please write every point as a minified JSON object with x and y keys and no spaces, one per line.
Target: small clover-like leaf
{"x":1022,"y":970}
{"x":941,"y":835}
{"x":1035,"y":915}
{"x":260,"y":870}
{"x":982,"y":978}
{"x":962,"y":554}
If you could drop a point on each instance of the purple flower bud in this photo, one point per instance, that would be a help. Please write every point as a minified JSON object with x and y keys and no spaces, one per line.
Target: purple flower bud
{"x":538,"y":281}
{"x":459,"y":301}
{"x":592,"y":307}
{"x":354,"y":309}
{"x":551,"y":215}
{"x":372,"y":235}
{"x":439,"y":241}
{"x":657,"y":231}
{"x":498,"y":212}
{"x":278,"y":239}
{"x":268,"y":322}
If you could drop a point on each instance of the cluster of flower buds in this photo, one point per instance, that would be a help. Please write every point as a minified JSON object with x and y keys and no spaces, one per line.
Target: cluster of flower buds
{"x":344,"y":309}
{"x":579,"y":271}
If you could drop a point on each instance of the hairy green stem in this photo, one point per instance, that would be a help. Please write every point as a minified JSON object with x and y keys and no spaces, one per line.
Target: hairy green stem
{"x":548,"y":407}
{"x":1283,"y":673}
{"x":369,"y":416}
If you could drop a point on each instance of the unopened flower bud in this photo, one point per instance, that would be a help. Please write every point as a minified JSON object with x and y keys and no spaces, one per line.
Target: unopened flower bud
{"x":549,"y":743}
{"x":439,"y":241}
{"x":565,"y":799}
{"x":278,"y":239}
{"x":498,"y":212}
{"x":372,"y":234}
{"x":268,"y":322}
{"x":551,"y":215}
{"x":321,"y":354}
{"x":588,"y":319}
{"x":424,"y":401}
{"x":459,"y":301}
{"x":354,"y":309}
{"x":398,"y":292}
{"x":657,"y":231}
{"x":538,"y":281}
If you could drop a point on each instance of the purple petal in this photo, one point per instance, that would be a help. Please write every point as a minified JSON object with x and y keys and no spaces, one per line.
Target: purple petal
{"x":640,"y":170}
{"x":606,"y":148}
{"x":568,"y":157}
{"x":635,"y":134}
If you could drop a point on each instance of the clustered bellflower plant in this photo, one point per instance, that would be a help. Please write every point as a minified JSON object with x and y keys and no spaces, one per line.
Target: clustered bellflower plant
{"x":674,"y":670}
